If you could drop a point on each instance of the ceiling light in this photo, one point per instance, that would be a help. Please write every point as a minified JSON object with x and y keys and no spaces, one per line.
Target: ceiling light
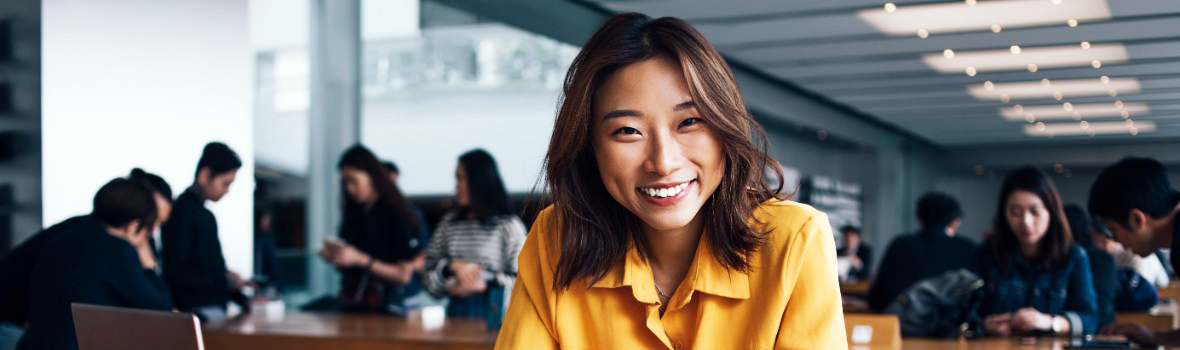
{"x":988,"y":85}
{"x":1040,"y":126}
{"x":1119,"y":104}
{"x":970,"y":2}
{"x":1130,"y":122}
{"x":1057,"y":95}
{"x":1125,"y":114}
{"x":1034,"y":58}
{"x":1067,"y":106}
{"x":1112,"y":92}
{"x":970,"y":71}
{"x":953,"y":17}
{"x":1005,"y":98}
{"x":1072,"y":22}
{"x":1085,"y":45}
{"x":1085,"y":128}
{"x":1104,"y":79}
{"x":1057,"y":2}
{"x":1045,"y":82}
{"x":1096,"y":64}
{"x":922,"y":33}
{"x":1090,"y":110}
{"x":1030,"y":118}
{"x":1061,"y":87}
{"x":996,"y":28}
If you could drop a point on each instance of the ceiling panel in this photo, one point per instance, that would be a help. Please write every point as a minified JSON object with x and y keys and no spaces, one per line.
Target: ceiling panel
{"x":825,"y":46}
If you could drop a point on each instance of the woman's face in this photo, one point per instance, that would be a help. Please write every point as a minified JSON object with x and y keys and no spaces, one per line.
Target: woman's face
{"x":461,"y":195}
{"x":1027,"y":217}
{"x":358,"y":185}
{"x":656,"y":155}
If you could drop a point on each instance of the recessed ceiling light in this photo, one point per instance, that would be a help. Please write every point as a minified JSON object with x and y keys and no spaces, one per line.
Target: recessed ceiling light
{"x":1090,"y":110}
{"x":1085,"y":45}
{"x":1030,"y":118}
{"x":1104,"y":79}
{"x":970,"y":2}
{"x":1130,"y":122}
{"x":1067,"y":106}
{"x":988,"y":85}
{"x":953,"y":17}
{"x":1112,"y":92}
{"x":1075,"y":129}
{"x":922,"y":33}
{"x":1096,"y":64}
{"x":1125,"y":114}
{"x":1045,"y":82}
{"x":1119,"y":104}
{"x":1072,"y":22}
{"x":970,"y":71}
{"x":1017,"y":57}
{"x":1057,"y":95}
{"x":996,"y":28}
{"x":1060,"y":88}
{"x":1040,"y":126}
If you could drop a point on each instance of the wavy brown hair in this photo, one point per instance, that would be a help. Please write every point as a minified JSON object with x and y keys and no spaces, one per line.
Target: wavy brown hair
{"x":594,"y":230}
{"x":1054,"y":247}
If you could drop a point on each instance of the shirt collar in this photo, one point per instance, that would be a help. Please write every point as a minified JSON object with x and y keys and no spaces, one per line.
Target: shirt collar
{"x":705,"y":275}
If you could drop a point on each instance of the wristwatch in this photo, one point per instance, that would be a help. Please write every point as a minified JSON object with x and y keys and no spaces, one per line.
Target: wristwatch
{"x":1058,"y":324}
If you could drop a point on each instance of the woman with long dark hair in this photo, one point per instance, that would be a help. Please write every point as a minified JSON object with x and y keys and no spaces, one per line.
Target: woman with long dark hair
{"x":1038,"y":280}
{"x":664,"y":232}
{"x":475,"y":246}
{"x":376,"y":253}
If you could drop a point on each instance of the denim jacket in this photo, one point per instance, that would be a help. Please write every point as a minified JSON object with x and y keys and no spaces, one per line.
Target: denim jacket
{"x":1066,"y":290}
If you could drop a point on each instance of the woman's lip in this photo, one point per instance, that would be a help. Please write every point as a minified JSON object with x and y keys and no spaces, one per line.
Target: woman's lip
{"x":669,"y":201}
{"x":665,"y":185}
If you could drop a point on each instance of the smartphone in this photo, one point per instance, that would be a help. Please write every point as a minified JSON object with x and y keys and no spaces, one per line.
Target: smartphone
{"x":334,"y":243}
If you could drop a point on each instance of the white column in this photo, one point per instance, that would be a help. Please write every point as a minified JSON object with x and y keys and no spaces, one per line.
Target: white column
{"x":334,"y":115}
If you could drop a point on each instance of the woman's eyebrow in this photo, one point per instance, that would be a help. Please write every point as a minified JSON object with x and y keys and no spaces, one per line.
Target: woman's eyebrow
{"x":619,"y":113}
{"x":685,"y":105}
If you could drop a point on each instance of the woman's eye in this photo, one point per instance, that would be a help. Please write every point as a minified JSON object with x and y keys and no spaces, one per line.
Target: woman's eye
{"x":690,"y":122}
{"x":627,"y":131}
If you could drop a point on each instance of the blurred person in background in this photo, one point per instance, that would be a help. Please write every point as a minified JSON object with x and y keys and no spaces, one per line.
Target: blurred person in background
{"x":859,"y":253}
{"x":931,"y":251}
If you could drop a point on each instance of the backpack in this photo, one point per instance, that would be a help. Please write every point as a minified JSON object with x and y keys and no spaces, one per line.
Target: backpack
{"x":942,"y":306}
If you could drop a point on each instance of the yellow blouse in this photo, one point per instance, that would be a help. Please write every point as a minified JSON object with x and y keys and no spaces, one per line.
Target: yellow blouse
{"x":790,"y":300}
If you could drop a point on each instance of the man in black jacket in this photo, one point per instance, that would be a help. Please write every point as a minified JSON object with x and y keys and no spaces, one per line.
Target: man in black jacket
{"x":16,"y":268}
{"x":103,"y":259}
{"x":1136,"y":201}
{"x":925,"y":254}
{"x":193,"y":263}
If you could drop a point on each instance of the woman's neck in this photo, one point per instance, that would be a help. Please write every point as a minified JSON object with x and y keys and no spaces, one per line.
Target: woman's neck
{"x":670,"y":252}
{"x":1029,"y":252}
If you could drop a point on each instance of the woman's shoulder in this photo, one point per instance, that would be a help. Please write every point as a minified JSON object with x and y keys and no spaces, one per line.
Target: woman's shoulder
{"x":784,"y":215}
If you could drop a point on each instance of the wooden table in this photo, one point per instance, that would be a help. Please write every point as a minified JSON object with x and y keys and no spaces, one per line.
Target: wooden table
{"x":301,"y":330}
{"x":858,"y":288}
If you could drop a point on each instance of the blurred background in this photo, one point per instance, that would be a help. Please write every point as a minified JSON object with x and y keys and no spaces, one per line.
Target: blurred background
{"x":868,"y":104}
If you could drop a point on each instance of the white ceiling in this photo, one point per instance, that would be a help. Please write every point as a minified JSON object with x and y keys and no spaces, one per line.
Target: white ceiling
{"x":825,"y":47}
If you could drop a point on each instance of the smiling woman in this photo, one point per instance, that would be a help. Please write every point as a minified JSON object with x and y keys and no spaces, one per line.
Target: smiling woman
{"x":664,"y":232}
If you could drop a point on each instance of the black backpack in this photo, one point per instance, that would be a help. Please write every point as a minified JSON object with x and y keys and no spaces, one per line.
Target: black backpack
{"x":942,"y":306}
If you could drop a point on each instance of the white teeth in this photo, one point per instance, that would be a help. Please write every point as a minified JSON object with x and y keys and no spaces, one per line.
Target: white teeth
{"x":664,"y":192}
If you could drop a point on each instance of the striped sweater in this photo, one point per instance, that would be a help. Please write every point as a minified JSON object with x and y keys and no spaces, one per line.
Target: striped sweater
{"x":494,"y":247}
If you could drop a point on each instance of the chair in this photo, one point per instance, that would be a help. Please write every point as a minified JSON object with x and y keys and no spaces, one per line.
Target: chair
{"x":877,"y":331}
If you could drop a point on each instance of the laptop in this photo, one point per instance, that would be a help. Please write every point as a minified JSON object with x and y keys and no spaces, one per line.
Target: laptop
{"x":116,"y":328}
